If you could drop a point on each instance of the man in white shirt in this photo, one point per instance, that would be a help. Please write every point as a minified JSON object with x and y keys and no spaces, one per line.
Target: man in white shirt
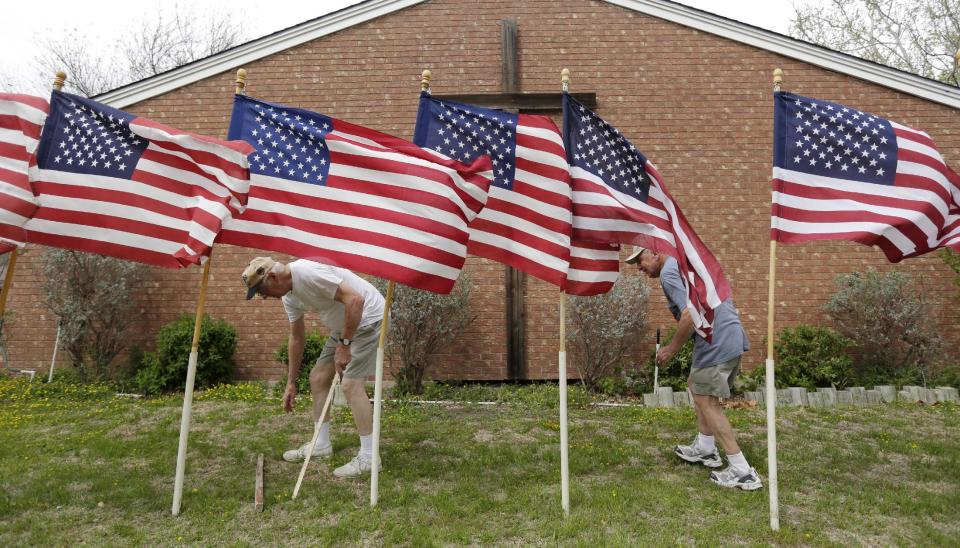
{"x":352,"y":309}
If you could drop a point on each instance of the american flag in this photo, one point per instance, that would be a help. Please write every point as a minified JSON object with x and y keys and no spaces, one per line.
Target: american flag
{"x":112,"y":183}
{"x":843,"y":174}
{"x":526,"y":222}
{"x":338,"y":193}
{"x":618,"y":196}
{"x":21,"y":117}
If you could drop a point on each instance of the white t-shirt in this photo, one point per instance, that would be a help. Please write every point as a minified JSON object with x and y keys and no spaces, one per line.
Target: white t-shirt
{"x":314,"y":287}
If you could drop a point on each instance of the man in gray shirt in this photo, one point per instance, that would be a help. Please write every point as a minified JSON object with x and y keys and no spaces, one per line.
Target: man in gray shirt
{"x":715,"y":366}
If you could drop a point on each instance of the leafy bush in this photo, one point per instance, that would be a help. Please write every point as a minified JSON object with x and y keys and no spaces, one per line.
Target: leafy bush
{"x":948,"y":376}
{"x":605,"y":328}
{"x":92,"y":295}
{"x":312,"y":348}
{"x":811,"y":356}
{"x":674,"y":374}
{"x":166,"y":368}
{"x":420,"y":323}
{"x":894,"y":332}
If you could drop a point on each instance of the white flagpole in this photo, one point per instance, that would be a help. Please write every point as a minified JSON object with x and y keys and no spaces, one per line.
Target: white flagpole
{"x":564,"y":445}
{"x":562,"y":374}
{"x":188,"y":393}
{"x":771,"y":386}
{"x":378,"y":398}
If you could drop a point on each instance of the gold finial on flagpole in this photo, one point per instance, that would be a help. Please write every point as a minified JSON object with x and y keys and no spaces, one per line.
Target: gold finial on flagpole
{"x":565,"y":79}
{"x":241,"y":81}
{"x":425,"y":80}
{"x":777,"y":79}
{"x":58,"y":82}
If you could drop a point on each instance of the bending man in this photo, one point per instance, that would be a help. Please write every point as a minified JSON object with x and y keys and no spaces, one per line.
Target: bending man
{"x":352,"y":309}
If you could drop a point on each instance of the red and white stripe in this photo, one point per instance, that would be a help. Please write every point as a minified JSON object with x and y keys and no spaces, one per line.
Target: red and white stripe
{"x":21,"y":117}
{"x":528,"y":227}
{"x":919,"y":212}
{"x":168,"y":214}
{"x":594,"y":268}
{"x":388,"y":208}
{"x":602,"y":213}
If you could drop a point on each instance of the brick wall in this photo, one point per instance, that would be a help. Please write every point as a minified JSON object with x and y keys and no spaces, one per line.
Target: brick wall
{"x":697,"y":105}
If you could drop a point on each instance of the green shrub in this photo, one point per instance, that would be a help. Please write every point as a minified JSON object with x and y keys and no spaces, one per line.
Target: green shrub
{"x":421,"y":323}
{"x":674,"y":374}
{"x":166,"y":368}
{"x":629,"y":382}
{"x":893,"y":330}
{"x":605,"y":329}
{"x":812,"y":357}
{"x":312,"y":348}
{"x":948,"y":376}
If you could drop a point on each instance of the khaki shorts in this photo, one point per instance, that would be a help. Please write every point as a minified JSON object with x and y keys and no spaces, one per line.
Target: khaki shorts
{"x":363,"y":352}
{"x":716,"y":380}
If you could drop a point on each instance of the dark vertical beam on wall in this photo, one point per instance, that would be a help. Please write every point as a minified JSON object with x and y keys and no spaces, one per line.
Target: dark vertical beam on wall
{"x":510,"y":64}
{"x":516,"y":324}
{"x":514,"y":287}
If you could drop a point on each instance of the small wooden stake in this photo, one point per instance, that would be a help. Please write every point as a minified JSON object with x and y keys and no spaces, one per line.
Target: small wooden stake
{"x":258,"y":489}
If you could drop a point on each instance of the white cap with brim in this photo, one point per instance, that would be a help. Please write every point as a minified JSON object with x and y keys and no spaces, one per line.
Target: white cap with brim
{"x":635,"y":254}
{"x":255,"y":273}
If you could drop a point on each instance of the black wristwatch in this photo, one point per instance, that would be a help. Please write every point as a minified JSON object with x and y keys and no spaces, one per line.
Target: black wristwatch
{"x":346,"y":342}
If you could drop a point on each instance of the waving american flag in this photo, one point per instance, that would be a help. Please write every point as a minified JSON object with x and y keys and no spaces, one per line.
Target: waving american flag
{"x":338,"y":193}
{"x":113,"y":183}
{"x":844,"y":174}
{"x":619,"y":196}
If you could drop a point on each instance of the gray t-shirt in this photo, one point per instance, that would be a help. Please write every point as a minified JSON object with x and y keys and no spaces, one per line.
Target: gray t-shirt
{"x":729,"y":339}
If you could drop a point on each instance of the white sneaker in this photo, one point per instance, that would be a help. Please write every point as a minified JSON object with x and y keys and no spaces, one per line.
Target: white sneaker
{"x":748,"y":480}
{"x":357,"y":466}
{"x":300,"y":453}
{"x":694,"y":454}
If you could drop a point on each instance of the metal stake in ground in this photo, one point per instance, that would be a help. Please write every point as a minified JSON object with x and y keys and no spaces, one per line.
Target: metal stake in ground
{"x":316,"y":433}
{"x":656,"y":368}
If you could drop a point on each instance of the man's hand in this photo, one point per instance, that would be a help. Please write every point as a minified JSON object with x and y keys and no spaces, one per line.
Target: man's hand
{"x":341,"y":358}
{"x":665,"y":354}
{"x":289,"y":395}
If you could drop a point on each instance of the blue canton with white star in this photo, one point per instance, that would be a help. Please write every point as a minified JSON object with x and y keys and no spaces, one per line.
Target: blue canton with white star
{"x":832,"y":140}
{"x":289,"y":142}
{"x":599,"y":148}
{"x":464,"y":132}
{"x":83,"y":136}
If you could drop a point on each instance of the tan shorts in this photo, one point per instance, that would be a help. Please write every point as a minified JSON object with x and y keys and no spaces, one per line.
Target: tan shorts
{"x":363,"y":352}
{"x":716,"y":380}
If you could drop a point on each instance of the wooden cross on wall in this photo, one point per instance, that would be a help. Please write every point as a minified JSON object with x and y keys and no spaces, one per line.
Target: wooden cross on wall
{"x":511,"y":99}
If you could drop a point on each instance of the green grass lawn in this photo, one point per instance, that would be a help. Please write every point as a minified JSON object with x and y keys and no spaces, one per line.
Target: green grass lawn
{"x":80,"y":466}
